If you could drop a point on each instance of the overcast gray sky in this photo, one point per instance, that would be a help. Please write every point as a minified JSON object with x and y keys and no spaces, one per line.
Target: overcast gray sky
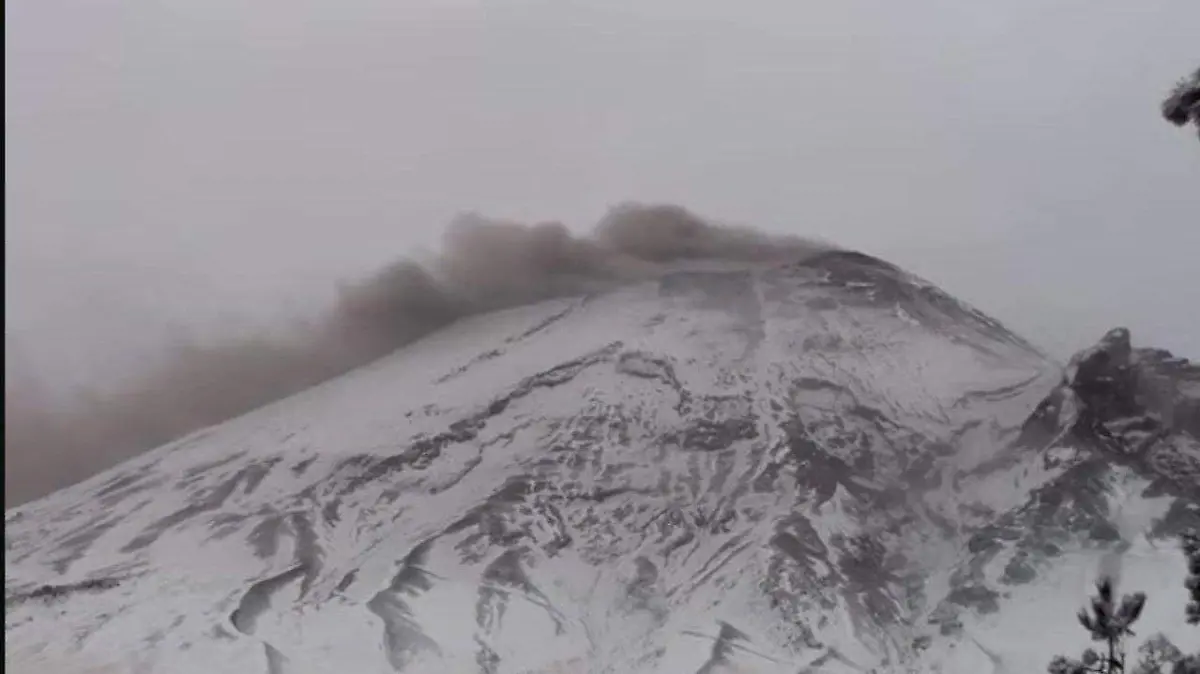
{"x":192,"y":162}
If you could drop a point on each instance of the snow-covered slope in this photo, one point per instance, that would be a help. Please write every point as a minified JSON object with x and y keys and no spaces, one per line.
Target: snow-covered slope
{"x":827,"y":466}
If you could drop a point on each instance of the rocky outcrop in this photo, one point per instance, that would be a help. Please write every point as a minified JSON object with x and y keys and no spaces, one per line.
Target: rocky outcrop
{"x":1121,"y":417}
{"x":1136,"y":406}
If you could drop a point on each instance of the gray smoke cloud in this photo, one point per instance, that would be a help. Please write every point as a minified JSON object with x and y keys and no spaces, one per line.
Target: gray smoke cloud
{"x":487,"y":265}
{"x":484,"y":265}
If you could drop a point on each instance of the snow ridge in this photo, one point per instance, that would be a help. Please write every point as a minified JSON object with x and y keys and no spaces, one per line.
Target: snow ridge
{"x":822,"y":466}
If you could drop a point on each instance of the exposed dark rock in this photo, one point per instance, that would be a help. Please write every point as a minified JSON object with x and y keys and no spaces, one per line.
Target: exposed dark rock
{"x":1104,"y":532}
{"x":1019,"y":570}
{"x":55,"y":592}
{"x":707,"y":435}
{"x":982,"y":599}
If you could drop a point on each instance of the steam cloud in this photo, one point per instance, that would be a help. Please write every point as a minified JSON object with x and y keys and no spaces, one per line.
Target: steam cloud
{"x":485,"y":265}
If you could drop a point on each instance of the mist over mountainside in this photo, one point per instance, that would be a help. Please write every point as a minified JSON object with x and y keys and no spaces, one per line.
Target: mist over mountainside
{"x":804,"y":462}
{"x":484,"y":265}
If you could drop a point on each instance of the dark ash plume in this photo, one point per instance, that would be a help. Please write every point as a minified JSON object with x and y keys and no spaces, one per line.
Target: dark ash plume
{"x":485,"y":265}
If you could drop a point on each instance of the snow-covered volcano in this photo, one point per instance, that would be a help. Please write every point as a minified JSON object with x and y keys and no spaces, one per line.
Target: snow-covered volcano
{"x":825,"y":466}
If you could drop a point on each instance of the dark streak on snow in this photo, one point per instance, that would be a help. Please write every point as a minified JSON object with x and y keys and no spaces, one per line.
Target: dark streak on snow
{"x":211,"y":500}
{"x":403,"y":638}
{"x":257,"y":599}
{"x":423,"y":451}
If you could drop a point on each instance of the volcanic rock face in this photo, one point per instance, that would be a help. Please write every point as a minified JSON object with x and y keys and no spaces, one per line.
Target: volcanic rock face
{"x":828,"y":466}
{"x":1107,"y":464}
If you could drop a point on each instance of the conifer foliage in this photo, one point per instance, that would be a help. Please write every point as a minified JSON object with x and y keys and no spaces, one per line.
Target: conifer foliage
{"x":1182,"y":106}
{"x":1191,"y":548}
{"x":1110,"y":621}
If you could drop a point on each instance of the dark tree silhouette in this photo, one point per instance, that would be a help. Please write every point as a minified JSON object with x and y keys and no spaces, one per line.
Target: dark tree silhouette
{"x":1108,"y":622}
{"x":1157,"y":655}
{"x":1183,"y":104}
{"x":1191,"y":548}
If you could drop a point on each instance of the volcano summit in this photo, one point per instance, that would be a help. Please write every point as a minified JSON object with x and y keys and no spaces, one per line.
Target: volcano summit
{"x":825,"y":465}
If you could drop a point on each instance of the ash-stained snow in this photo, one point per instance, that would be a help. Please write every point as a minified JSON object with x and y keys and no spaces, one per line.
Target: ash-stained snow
{"x":828,"y":466}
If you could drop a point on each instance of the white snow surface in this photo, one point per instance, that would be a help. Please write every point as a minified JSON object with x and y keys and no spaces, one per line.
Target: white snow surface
{"x":685,"y":475}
